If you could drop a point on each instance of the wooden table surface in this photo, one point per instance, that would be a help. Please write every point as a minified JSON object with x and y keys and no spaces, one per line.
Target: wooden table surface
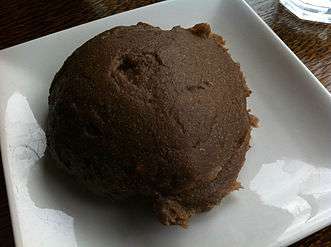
{"x":21,"y":21}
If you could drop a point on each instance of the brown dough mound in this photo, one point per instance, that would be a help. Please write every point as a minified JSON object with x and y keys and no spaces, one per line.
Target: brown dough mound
{"x":138,"y":111}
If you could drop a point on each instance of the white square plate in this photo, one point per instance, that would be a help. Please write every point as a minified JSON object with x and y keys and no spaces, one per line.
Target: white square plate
{"x":286,"y":179}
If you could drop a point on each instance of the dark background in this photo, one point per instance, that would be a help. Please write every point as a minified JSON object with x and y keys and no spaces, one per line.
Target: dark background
{"x":22,"y":20}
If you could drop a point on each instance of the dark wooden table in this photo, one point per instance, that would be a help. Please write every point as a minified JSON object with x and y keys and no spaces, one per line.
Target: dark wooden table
{"x":22,"y":20}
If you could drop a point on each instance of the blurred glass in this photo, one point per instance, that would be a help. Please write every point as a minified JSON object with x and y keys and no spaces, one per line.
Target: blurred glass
{"x":311,"y":10}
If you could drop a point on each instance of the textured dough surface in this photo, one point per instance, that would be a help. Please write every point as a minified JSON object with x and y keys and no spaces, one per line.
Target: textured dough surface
{"x":138,"y":111}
